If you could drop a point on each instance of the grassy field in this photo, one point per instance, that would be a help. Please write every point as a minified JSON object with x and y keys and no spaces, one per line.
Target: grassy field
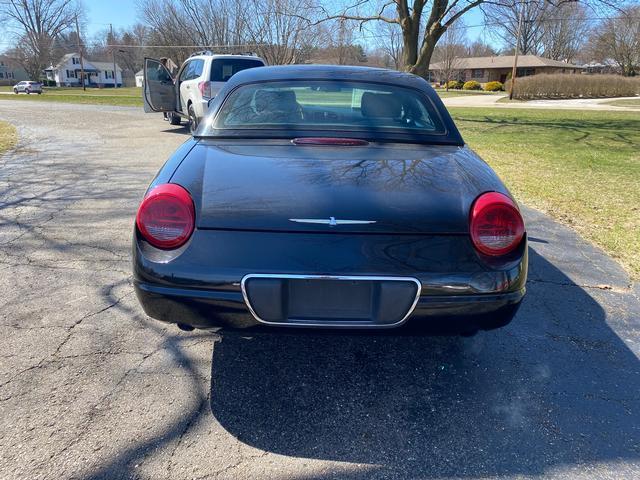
{"x":625,"y":103}
{"x":131,"y":96}
{"x":8,"y":137}
{"x":582,"y":167}
{"x":128,"y":96}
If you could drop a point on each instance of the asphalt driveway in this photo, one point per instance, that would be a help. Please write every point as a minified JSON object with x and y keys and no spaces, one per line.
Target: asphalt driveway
{"x":90,"y":388}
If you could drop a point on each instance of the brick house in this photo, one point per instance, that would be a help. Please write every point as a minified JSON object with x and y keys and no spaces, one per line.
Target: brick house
{"x":497,"y":68}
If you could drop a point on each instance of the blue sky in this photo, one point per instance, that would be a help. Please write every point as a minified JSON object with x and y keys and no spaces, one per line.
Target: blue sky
{"x":121,"y":13}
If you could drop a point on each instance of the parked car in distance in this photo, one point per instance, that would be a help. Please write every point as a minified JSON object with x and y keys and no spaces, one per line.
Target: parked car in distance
{"x":28,"y":86}
{"x":199,"y":80}
{"x":329,"y":197}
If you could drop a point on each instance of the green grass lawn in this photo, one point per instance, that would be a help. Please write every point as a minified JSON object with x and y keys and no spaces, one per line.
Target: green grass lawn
{"x":132,"y":96}
{"x":8,"y":137}
{"x":625,"y":103}
{"x":581,"y":167}
{"x":127,"y":96}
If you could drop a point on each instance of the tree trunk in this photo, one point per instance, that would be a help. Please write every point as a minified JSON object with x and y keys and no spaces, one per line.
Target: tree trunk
{"x":421,"y":65}
{"x":409,"y":43}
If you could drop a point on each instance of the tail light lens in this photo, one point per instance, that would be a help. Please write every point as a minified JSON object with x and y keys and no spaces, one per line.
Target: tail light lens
{"x":496,"y":224}
{"x":166,"y":216}
{"x":205,"y":89}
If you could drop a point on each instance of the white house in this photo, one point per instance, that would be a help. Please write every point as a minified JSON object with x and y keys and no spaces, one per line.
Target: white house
{"x":139,"y":78}
{"x":67,"y":72}
{"x":11,"y":72}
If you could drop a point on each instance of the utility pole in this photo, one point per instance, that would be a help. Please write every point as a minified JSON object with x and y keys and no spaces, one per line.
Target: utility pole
{"x":514,"y":72}
{"x":84,"y":87}
{"x":113,"y":55}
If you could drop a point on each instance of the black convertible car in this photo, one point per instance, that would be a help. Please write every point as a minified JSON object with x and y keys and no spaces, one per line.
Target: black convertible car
{"x":329,"y":197}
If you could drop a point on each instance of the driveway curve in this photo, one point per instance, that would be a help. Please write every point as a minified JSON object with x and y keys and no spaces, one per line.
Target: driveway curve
{"x":92,"y":389}
{"x":486,"y":100}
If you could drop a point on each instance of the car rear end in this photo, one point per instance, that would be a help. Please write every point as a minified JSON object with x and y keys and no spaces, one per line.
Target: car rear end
{"x":346,"y":203}
{"x":261,"y":255}
{"x":33,"y":87}
{"x":218,"y":70}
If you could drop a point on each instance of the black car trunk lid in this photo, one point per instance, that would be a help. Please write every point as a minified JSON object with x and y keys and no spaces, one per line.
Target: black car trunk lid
{"x":378,"y":188}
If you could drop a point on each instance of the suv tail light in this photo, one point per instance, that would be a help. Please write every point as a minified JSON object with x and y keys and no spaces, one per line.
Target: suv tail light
{"x":166,"y":216}
{"x":205,"y":89}
{"x":496,"y":224}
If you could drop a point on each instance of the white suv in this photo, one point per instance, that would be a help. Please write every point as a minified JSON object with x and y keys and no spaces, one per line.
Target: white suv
{"x":199,"y":80}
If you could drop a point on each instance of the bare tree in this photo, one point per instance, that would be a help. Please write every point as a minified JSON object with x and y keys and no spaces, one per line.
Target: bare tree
{"x":564,"y":34}
{"x":279,"y":29}
{"x":389,"y":40}
{"x":35,"y":25}
{"x":422,"y":22}
{"x":480,"y":49}
{"x":504,"y":21}
{"x":449,"y":51}
{"x":618,"y":38}
{"x":207,"y":23}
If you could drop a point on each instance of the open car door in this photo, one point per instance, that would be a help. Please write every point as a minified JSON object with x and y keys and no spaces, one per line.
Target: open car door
{"x":159,"y":92}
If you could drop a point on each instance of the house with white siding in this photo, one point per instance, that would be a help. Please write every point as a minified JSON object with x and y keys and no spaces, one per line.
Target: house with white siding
{"x":68,"y":72}
{"x":11,"y":72}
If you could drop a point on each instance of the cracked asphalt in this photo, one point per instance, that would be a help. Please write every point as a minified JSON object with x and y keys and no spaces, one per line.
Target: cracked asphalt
{"x":92,"y":389}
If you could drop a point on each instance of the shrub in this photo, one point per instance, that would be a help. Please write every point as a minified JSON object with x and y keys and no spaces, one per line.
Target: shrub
{"x":493,"y":86}
{"x":575,"y":86}
{"x":472,"y":85}
{"x":455,"y":84}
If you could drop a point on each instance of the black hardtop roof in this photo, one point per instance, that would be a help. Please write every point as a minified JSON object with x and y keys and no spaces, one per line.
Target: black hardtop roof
{"x":328,"y":72}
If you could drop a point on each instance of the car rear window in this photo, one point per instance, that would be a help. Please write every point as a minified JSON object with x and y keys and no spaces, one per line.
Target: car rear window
{"x":337,"y":106}
{"x":223,"y":69}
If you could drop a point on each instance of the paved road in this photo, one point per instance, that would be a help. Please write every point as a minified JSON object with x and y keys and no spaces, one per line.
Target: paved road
{"x":91,"y":389}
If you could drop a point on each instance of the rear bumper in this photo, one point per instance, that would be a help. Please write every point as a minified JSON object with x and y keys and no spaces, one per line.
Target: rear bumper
{"x":201,"y":283}
{"x":201,"y":108}
{"x":228,"y":309}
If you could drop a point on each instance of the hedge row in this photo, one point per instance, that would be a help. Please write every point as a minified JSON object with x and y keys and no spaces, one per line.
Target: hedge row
{"x":549,"y":86}
{"x":473,"y":85}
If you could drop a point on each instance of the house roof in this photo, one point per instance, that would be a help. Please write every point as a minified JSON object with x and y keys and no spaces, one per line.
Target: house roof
{"x":139,"y":74}
{"x":104,"y":65}
{"x":504,"y":61}
{"x":88,"y":65}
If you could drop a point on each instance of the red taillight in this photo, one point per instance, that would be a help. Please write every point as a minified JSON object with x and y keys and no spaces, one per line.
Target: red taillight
{"x":496,"y":224}
{"x":205,"y":89}
{"x":166,"y":216}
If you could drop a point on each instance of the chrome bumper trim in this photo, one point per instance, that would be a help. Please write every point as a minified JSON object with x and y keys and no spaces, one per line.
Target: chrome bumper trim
{"x":304,"y":323}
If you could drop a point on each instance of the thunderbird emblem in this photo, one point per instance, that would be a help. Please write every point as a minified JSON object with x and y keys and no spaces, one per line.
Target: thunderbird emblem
{"x":332,"y":221}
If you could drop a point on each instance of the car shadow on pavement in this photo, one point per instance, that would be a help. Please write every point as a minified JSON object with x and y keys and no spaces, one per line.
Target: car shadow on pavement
{"x":184,"y":130}
{"x":556,"y":389}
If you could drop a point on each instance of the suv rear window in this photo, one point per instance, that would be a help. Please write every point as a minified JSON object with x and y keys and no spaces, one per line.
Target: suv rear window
{"x":223,"y":69}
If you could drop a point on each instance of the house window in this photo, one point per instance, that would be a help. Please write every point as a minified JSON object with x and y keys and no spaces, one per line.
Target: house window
{"x":2,"y":75}
{"x":108,"y":74}
{"x":477,"y":73}
{"x":526,"y":72}
{"x":71,"y":74}
{"x":75,"y":60}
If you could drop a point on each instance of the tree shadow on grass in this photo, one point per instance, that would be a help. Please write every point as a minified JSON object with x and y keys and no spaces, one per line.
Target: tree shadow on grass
{"x":583,"y":129}
{"x":556,"y":389}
